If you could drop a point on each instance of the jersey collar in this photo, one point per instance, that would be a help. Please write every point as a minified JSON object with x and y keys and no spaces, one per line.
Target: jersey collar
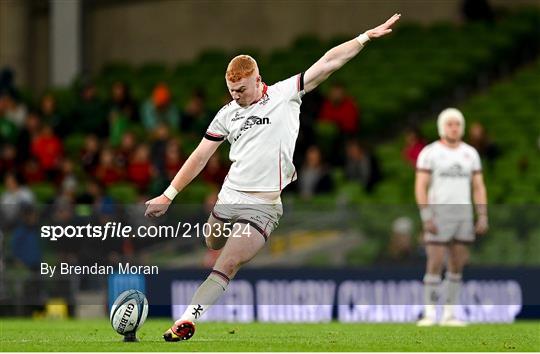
{"x":441,"y":141}
{"x":265,"y":88}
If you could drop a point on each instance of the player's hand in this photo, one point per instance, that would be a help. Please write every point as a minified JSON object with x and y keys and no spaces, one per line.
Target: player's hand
{"x":482,"y":225}
{"x":157,"y":206}
{"x":429,"y":226}
{"x":383,"y":29}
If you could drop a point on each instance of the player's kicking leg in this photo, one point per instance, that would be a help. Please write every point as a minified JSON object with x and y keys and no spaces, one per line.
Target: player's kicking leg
{"x":217,"y":238}
{"x":183,"y":330}
{"x":436,"y":254}
{"x":458,"y":258}
{"x":238,"y":249}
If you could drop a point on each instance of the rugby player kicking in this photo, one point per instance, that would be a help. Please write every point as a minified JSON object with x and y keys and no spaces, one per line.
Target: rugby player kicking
{"x":261,"y":123}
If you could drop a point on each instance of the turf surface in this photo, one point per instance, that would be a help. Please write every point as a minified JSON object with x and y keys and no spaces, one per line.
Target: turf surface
{"x":97,"y":335}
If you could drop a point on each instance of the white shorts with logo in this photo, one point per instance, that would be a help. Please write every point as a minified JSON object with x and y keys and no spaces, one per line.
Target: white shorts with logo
{"x":448,"y":230}
{"x":238,"y":207}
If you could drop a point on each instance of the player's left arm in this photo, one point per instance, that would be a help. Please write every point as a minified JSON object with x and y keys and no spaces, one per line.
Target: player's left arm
{"x":336,"y":57}
{"x":480,"y":202}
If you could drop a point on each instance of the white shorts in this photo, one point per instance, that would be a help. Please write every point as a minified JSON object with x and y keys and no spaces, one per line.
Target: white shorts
{"x":448,"y":230}
{"x":238,"y":207}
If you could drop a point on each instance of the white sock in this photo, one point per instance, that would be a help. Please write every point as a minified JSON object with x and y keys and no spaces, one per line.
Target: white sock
{"x":452,"y":287}
{"x":206,"y":295}
{"x":432,"y":284}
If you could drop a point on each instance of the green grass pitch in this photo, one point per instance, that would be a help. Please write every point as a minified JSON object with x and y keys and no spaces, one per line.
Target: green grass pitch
{"x":97,"y":335}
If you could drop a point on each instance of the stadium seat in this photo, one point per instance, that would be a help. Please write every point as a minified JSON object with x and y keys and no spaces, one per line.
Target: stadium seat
{"x":195,"y":193}
{"x":44,"y":191}
{"x":73,"y":145}
{"x":326,"y":134}
{"x":123,"y":193}
{"x":533,"y":248}
{"x":365,"y":254}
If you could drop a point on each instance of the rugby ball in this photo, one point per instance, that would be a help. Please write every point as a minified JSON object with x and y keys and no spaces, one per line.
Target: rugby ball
{"x":129,"y":312}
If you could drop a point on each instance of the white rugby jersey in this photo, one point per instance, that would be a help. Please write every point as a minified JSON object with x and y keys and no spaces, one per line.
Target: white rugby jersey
{"x":451,"y":172}
{"x":262,"y":137}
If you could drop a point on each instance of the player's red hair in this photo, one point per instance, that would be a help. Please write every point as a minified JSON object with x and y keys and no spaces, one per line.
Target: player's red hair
{"x":240,"y":67}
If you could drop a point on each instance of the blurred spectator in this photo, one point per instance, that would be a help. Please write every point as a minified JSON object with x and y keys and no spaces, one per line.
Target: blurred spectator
{"x":314,"y":177}
{"x":47,"y":148}
{"x":25,"y":246}
{"x":401,"y":247}
{"x":122,"y":111}
{"x":481,"y":142}
{"x":414,"y":143}
{"x":106,"y":211}
{"x":12,"y":109}
{"x":14,"y":198}
{"x":8,"y":129}
{"x":160,"y":138}
{"x":159,"y":108}
{"x":132,"y":214}
{"x":173,"y":159}
{"x":311,"y":106}
{"x":8,"y":159}
{"x":102,"y":210}
{"x":106,"y":171}
{"x":361,"y":166}
{"x":125,"y":150}
{"x":91,"y":116}
{"x":122,"y":101}
{"x":32,"y":128}
{"x":339,"y":108}
{"x":214,"y":172}
{"x":523,"y":165}
{"x":118,"y":125}
{"x":63,"y":214}
{"x":94,"y":194}
{"x":32,"y":172}
{"x":66,"y":197}
{"x":195,"y":117}
{"x":67,"y":180}
{"x":139,"y":169}
{"x":49,"y":113}
{"x":90,"y":153}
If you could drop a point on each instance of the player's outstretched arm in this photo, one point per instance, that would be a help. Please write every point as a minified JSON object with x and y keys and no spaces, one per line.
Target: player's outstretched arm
{"x":189,"y":170}
{"x":336,"y":57}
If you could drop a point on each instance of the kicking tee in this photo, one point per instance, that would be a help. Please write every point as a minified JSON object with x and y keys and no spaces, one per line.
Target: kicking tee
{"x":262,"y":137}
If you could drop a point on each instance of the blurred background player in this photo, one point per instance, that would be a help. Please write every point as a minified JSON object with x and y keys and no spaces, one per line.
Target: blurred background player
{"x":261,"y":124}
{"x":448,"y":173}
